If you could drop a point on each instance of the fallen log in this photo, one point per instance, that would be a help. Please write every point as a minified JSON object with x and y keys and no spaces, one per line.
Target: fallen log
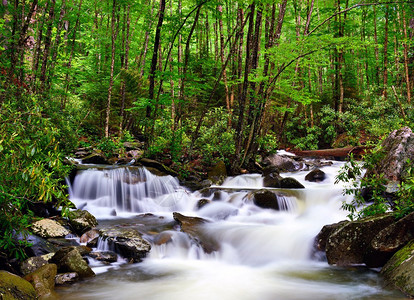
{"x":335,"y":152}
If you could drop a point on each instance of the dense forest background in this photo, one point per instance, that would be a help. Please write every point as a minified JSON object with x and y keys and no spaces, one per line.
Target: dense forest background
{"x":193,"y":79}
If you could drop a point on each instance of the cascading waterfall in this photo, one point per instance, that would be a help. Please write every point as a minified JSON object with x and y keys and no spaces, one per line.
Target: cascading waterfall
{"x":261,"y":253}
{"x":125,"y":190}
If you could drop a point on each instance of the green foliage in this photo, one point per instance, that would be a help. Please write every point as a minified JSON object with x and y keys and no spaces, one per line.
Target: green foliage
{"x":368,"y":191}
{"x":32,"y":166}
{"x":216,"y":140}
{"x":268,"y":143}
{"x":405,"y":201}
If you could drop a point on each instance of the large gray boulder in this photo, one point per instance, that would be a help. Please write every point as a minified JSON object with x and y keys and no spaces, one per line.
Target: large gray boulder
{"x":348,"y":244}
{"x":48,"y":228}
{"x":398,"y":272}
{"x":398,"y":149}
{"x":15,"y":287}
{"x":128,"y":242}
{"x":284,"y":163}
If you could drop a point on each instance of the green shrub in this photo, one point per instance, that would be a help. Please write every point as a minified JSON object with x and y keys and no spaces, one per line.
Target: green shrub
{"x":32,"y":166}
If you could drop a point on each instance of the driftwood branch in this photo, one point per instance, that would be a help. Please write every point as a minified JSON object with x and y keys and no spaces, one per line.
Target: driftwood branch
{"x":336,"y":152}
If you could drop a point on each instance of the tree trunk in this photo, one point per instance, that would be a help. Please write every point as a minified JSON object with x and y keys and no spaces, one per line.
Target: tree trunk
{"x":114,"y":33}
{"x":406,"y":60}
{"x":46,"y":50}
{"x":126,"y":58}
{"x":385,"y":76}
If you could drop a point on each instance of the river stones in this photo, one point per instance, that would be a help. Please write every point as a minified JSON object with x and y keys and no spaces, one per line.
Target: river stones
{"x":104,"y":256}
{"x":128,"y":242}
{"x":82,"y":220}
{"x":271,"y":177}
{"x":347,"y":244}
{"x":48,"y":228}
{"x":66,"y":278}
{"x":290,"y":183}
{"x":316,"y":175}
{"x":283,"y":163}
{"x":33,"y":263}
{"x":89,"y":235}
{"x":265,"y":199}
{"x":69,"y":259}
{"x":95,"y":158}
{"x":193,"y":226}
{"x":15,"y":287}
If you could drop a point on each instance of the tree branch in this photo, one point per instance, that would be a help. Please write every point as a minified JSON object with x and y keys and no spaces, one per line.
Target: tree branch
{"x":355,"y":6}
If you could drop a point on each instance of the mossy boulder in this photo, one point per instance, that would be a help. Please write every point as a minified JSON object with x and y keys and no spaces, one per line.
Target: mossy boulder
{"x":398,"y":271}
{"x":48,"y":228}
{"x":82,"y":221}
{"x":33,"y":263}
{"x":398,"y":150}
{"x":14,"y":287}
{"x":43,"y":280}
{"x":389,"y":240}
{"x":69,"y":259}
{"x":348,"y":244}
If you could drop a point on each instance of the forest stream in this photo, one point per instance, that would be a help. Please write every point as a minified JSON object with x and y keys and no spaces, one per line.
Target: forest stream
{"x":261,"y":253}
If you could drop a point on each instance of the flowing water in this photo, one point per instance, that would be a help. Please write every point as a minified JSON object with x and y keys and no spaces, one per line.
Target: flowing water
{"x":262,"y":253}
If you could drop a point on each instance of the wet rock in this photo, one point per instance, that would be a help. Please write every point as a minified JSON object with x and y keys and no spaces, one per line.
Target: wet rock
{"x":39,"y":246}
{"x":322,"y":237}
{"x":66,"y":278}
{"x":157,"y":165}
{"x":283,"y":163}
{"x":348,"y":244}
{"x":89,"y":235}
{"x":62,"y":242}
{"x":202,"y":202}
{"x":398,"y":149}
{"x":82,"y":221}
{"x":48,"y":228}
{"x":193,"y":226}
{"x":162,"y":238}
{"x":290,"y":183}
{"x":95,"y":158}
{"x":15,"y":287}
{"x":389,"y":240}
{"x":265,"y":199}
{"x":104,"y":256}
{"x":398,"y":271}
{"x":128,"y":242}
{"x":33,"y":263}
{"x":69,"y":259}
{"x":93,"y":243}
{"x":271,"y":177}
{"x":316,"y":175}
{"x":43,"y":280}
{"x":218,"y":173}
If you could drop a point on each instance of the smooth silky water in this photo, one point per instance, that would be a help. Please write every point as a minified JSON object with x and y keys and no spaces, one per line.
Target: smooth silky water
{"x":263,"y":253}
